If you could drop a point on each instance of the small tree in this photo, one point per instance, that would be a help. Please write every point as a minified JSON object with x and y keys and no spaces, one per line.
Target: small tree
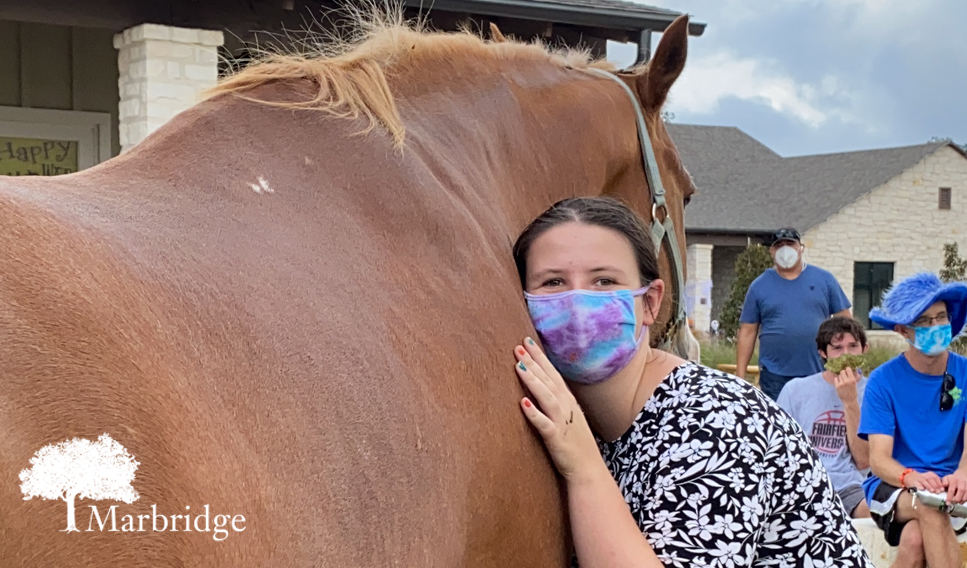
{"x":80,"y":468}
{"x":954,"y":267}
{"x":750,"y":263}
{"x":954,"y":270}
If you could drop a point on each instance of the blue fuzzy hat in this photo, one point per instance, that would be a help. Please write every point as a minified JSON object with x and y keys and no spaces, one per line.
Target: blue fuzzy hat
{"x":906,"y":300}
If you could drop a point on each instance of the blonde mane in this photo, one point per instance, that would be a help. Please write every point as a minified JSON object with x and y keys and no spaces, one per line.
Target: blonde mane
{"x":350,"y":74}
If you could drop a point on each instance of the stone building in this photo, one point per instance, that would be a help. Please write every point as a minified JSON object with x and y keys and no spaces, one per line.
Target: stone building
{"x":869,"y":217}
{"x":83,"y":80}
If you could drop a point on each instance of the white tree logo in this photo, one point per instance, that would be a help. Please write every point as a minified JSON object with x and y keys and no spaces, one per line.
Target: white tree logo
{"x":81,"y":468}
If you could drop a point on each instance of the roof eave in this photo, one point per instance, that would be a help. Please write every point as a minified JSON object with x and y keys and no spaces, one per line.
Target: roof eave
{"x":958,"y":149}
{"x":595,"y":17}
{"x":705,"y":230}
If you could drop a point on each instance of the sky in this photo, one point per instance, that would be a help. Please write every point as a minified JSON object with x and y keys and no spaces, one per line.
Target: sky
{"x":819,"y":76}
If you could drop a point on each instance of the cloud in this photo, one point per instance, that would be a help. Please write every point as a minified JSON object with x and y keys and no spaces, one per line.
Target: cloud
{"x":816,"y":76}
{"x":716,"y":72}
{"x":710,"y":78}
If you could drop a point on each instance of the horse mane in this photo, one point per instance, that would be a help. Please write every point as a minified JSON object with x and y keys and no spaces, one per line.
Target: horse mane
{"x":350,"y":75}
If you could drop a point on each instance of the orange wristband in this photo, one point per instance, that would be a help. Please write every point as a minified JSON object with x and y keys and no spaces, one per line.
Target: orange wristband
{"x":903,"y":475}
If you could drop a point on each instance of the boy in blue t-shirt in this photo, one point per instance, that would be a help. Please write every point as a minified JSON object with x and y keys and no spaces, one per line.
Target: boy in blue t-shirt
{"x":914,"y":416}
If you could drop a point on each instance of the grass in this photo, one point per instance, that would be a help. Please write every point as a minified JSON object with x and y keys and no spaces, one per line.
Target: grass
{"x":715,"y":353}
{"x":877,"y":355}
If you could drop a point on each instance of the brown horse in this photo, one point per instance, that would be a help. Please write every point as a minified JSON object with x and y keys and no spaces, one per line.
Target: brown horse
{"x":286,"y":320}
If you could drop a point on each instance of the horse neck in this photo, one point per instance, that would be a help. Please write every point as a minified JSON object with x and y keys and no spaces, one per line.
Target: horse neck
{"x":527,"y":134}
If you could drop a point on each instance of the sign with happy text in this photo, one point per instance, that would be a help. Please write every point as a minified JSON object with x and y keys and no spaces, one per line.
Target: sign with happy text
{"x":37,"y":157}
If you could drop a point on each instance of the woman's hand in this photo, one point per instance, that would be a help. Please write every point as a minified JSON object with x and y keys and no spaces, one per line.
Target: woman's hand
{"x":559,"y":421}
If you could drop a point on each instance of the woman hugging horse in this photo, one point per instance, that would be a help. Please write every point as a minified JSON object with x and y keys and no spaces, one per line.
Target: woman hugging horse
{"x":699,"y":468}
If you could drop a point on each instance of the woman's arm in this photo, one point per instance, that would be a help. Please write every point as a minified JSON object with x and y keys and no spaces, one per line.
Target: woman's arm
{"x":604,"y":532}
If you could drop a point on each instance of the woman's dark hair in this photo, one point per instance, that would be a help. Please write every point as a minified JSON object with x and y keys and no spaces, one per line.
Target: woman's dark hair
{"x":598,"y":211}
{"x":835,"y":327}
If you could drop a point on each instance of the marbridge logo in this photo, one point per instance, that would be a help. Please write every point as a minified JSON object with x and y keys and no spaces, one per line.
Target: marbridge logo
{"x":102,"y":470}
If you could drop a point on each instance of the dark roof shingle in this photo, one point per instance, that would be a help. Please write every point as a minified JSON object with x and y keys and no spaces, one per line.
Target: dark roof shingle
{"x":609,"y":14}
{"x":745,"y":187}
{"x":624,"y":5}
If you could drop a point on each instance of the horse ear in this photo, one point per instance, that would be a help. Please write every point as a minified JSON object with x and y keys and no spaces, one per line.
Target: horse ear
{"x":665,"y":66}
{"x":495,"y":34}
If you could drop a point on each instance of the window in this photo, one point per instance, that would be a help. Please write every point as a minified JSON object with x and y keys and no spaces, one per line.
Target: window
{"x":945,"y":198}
{"x":870,"y":280}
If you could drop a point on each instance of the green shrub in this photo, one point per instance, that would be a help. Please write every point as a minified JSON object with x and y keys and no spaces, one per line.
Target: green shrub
{"x":750,"y":263}
{"x":954,"y":270}
{"x":877,"y":355}
{"x":715,"y":353}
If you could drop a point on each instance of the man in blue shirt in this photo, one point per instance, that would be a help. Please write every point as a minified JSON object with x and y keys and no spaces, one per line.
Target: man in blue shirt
{"x":783,"y":309}
{"x":914,"y":412}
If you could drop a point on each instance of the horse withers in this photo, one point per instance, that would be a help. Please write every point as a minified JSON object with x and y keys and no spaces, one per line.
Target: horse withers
{"x":282,"y":318}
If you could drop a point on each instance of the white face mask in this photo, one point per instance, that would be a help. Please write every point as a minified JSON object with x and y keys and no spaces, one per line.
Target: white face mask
{"x":786,"y":257}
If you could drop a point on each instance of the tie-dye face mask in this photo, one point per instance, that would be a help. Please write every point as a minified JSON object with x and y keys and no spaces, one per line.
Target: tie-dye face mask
{"x":932,"y":340}
{"x":588,"y":336}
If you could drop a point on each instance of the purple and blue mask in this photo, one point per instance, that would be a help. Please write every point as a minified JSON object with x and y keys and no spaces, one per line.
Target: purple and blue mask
{"x":589,"y":336}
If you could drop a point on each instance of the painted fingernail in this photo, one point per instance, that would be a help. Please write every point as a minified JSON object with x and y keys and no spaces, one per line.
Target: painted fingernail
{"x":527,"y":403}
{"x":530,"y":341}
{"x":520,"y":350}
{"x":521,"y":365}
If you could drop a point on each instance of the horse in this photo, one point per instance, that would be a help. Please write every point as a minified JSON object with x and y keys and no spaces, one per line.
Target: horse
{"x":294,"y":305}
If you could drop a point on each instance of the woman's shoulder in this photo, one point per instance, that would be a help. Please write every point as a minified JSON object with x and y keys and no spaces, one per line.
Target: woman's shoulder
{"x":701,"y":397}
{"x":693,"y":384}
{"x":687,"y":391}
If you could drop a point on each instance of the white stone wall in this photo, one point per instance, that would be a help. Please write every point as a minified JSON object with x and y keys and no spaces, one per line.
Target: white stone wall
{"x":163,"y":70}
{"x":698,"y":288}
{"x":899,"y":222}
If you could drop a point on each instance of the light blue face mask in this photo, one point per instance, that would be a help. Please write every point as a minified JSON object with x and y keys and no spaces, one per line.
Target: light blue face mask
{"x":933,"y":340}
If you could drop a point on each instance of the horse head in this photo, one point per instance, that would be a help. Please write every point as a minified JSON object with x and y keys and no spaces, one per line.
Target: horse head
{"x":651,"y":84}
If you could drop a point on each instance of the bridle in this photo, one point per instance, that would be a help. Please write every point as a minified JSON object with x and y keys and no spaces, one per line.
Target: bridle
{"x":661,"y":231}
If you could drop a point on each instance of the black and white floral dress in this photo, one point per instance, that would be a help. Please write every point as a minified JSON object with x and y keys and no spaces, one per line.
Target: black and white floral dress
{"x":716,"y":474}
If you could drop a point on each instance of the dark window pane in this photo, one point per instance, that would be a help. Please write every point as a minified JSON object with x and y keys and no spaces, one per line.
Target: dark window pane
{"x":882,"y":274}
{"x":861,"y":306}
{"x":861,"y":274}
{"x":870,"y":281}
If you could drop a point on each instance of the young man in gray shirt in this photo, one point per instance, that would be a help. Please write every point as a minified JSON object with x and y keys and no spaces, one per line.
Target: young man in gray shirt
{"x":827,"y":406}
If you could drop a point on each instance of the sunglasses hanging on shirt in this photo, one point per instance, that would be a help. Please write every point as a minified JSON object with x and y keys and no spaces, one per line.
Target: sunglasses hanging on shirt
{"x":947,"y":399}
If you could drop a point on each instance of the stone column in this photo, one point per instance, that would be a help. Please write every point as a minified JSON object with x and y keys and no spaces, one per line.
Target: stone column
{"x":698,"y":289}
{"x":163,"y":70}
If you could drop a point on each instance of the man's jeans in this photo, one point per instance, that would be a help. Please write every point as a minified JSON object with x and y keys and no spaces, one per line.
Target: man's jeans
{"x":771,"y":383}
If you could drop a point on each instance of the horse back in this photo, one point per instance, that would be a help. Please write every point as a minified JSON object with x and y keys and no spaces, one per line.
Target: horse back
{"x":313,"y":333}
